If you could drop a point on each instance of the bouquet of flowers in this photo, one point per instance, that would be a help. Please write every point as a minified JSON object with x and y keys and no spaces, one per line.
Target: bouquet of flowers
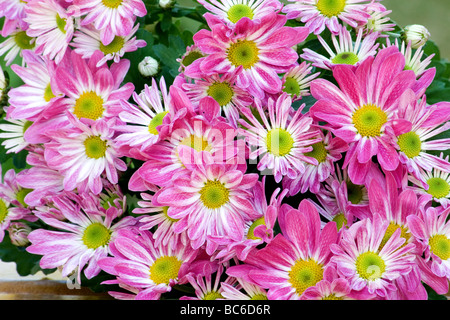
{"x":222,"y":149}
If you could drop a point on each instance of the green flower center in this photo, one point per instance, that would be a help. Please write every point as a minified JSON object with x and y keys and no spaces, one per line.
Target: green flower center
{"x":48,"y":93}
{"x":23,"y":41}
{"x":61,"y":23}
{"x":89,"y":105}
{"x":331,"y":8}
{"x":257,"y":222}
{"x":291,"y":86}
{"x":21,"y":194}
{"x":27,"y":125}
{"x":114,"y":4}
{"x":410,"y":144}
{"x":156,"y":121}
{"x":3,"y":210}
{"x":221,"y":92}
{"x":370,"y":266}
{"x":354,"y":192}
{"x":96,"y":235}
{"x":305,"y":274}
{"x":238,"y":11}
{"x":438,"y":187}
{"x":259,"y":296}
{"x":368,"y":120}
{"x":165,"y":269}
{"x":279,"y":142}
{"x":191,"y":57}
{"x":345,"y":58}
{"x":115,"y":46}
{"x":440,"y":246}
{"x":390,"y":231}
{"x":212,"y":295}
{"x":195,"y":142}
{"x":319,"y":152}
{"x":165,"y":210}
{"x":243,"y":53}
{"x":340,"y":220}
{"x":95,"y":147}
{"x":214,"y":194}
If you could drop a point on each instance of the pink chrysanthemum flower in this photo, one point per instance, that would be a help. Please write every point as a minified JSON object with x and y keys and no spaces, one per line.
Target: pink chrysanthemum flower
{"x":83,"y":154}
{"x":111,"y":17}
{"x":363,"y":110}
{"x":90,"y":92}
{"x":52,"y":27}
{"x":292,"y":261}
{"x":346,"y":51}
{"x":39,"y":91}
{"x":145,"y":268}
{"x":79,"y":241}
{"x":244,"y":289}
{"x":432,"y":233}
{"x":213,"y":200}
{"x":230,"y":12}
{"x":15,"y":43}
{"x":360,"y":258}
{"x":257,"y":47}
{"x":142,"y":121}
{"x":223,"y":89}
{"x":14,"y":12}
{"x":87,"y":40}
{"x":192,"y":54}
{"x":326,"y":152}
{"x":414,"y":146}
{"x":297,"y":80}
{"x":282,"y":139}
{"x":320,"y":14}
{"x":379,"y":21}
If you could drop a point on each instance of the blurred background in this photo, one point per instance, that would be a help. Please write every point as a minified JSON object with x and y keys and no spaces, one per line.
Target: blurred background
{"x":433,"y":14}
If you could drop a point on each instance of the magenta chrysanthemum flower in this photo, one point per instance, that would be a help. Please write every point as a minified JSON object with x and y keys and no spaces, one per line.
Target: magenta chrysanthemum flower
{"x":257,"y":47}
{"x":211,"y":201}
{"x":87,"y":40}
{"x":360,"y":257}
{"x":51,"y":25}
{"x":282,"y":139}
{"x":294,"y":260}
{"x":363,"y":110}
{"x":80,"y":240}
{"x":230,"y":12}
{"x":320,"y":14}
{"x":84,"y":154}
{"x":326,"y":152}
{"x":112,"y":17}
{"x":145,"y":268}
{"x":432,"y":234}
{"x":346,"y":51}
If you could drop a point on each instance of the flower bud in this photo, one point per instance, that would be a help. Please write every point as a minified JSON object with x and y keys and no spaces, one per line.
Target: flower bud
{"x":166,"y":4}
{"x":148,"y":67}
{"x":18,"y":233}
{"x":417,"y":34}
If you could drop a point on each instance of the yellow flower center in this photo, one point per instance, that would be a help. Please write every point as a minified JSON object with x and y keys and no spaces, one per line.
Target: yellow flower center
{"x":48,"y":93}
{"x":319,"y":152}
{"x":305,"y":274}
{"x":114,"y":4}
{"x":197,"y":143}
{"x":212,"y":295}
{"x":95,"y":147}
{"x":165,"y":269}
{"x":96,"y":235}
{"x":61,"y":23}
{"x":257,"y":222}
{"x":279,"y":142}
{"x":259,"y":296}
{"x":191,"y":57}
{"x":291,"y":86}
{"x":238,"y":11}
{"x":332,"y":297}
{"x":390,"y":231}
{"x":214,"y":194}
{"x":221,"y":92}
{"x":345,"y":58}
{"x":438,"y":187}
{"x":89,"y":105}
{"x":331,"y":8}
{"x":3,"y":210}
{"x":440,"y":246}
{"x":156,"y":121}
{"x":370,"y":266}
{"x":410,"y":144}
{"x":21,"y":194}
{"x":115,"y":46}
{"x":243,"y":53}
{"x":165,"y":210}
{"x":368,"y":120}
{"x":340,"y":220}
{"x":23,"y":41}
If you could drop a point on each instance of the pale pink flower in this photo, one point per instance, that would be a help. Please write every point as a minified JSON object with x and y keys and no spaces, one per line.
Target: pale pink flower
{"x":14,"y":13}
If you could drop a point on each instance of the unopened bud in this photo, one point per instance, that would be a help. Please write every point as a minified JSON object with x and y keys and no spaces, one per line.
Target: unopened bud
{"x":148,"y":67}
{"x":417,"y":34}
{"x":18,"y":233}
{"x":166,"y":4}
